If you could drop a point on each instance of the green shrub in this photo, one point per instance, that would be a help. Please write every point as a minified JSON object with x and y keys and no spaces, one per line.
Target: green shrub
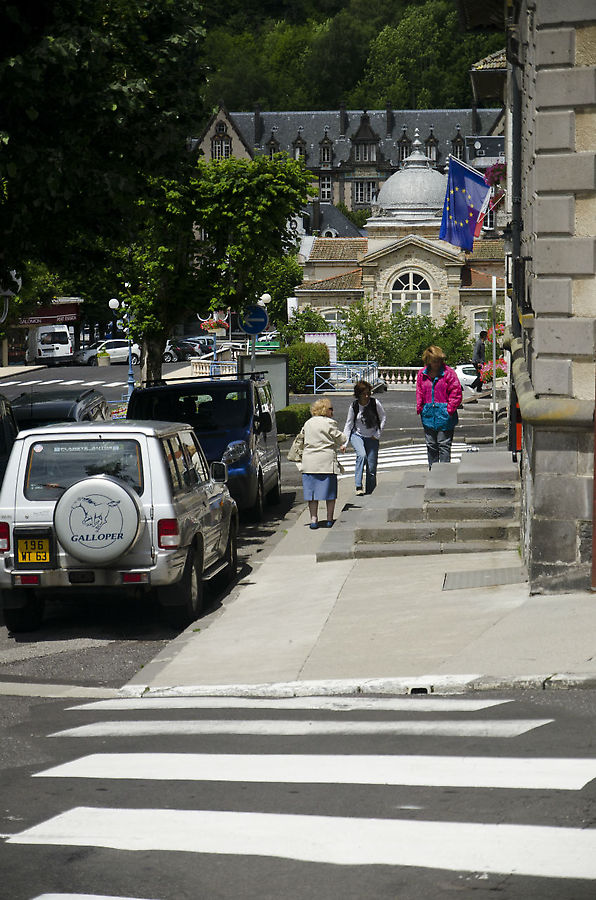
{"x":290,"y":419}
{"x":302,"y":359}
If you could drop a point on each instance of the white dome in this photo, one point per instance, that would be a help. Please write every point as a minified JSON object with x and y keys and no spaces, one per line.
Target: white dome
{"x":414,"y":195}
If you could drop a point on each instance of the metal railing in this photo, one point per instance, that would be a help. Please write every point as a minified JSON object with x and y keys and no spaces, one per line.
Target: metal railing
{"x":344,"y":375}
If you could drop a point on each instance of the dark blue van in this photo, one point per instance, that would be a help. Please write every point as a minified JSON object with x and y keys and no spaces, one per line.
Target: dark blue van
{"x":234,"y":420}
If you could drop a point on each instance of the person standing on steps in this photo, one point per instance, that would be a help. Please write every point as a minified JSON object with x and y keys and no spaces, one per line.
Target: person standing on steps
{"x":438,"y":397}
{"x":478,"y":359}
{"x":364,"y":424}
{"x":315,"y":450}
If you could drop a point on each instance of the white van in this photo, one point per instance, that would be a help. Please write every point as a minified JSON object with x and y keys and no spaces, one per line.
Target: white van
{"x":49,"y":344}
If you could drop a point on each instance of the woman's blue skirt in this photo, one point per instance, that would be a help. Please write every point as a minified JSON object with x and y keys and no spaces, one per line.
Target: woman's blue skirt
{"x":319,"y":487}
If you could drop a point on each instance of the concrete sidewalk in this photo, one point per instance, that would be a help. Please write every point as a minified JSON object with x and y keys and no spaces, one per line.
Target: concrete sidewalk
{"x":295,"y":626}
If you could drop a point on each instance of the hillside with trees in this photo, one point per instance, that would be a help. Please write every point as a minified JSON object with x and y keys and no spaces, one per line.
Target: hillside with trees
{"x":306,"y":55}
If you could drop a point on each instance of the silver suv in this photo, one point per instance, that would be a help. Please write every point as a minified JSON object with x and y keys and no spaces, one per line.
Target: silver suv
{"x":118,"y":505}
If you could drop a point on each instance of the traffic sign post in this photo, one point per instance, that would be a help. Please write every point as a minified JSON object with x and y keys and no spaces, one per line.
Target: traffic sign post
{"x":254,"y":319}
{"x":253,"y":322}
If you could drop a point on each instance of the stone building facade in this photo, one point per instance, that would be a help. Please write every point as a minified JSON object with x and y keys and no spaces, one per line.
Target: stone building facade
{"x":551,"y":136}
{"x":351,"y":153}
{"x":401,"y":262}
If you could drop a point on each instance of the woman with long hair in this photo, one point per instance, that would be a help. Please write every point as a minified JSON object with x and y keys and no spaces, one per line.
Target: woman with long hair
{"x":438,"y":397}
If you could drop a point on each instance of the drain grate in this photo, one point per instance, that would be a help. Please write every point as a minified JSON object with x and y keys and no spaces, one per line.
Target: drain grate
{"x":455,"y":581}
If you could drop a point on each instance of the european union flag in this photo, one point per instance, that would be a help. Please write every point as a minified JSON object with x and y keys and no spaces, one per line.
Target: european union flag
{"x":466,"y":198}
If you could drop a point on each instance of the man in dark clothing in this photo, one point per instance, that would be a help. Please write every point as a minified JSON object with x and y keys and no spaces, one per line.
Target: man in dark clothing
{"x":478,"y":359}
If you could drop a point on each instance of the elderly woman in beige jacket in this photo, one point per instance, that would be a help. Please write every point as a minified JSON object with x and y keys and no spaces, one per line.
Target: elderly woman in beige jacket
{"x":315,"y":449}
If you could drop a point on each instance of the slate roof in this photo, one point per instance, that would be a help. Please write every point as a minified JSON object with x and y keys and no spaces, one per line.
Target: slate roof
{"x":311,"y":126}
{"x":332,"y":218}
{"x":347,"y":281}
{"x":343,"y":250}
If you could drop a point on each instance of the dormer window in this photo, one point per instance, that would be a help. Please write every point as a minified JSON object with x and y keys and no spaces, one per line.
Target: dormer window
{"x":221,"y":128}
{"x":458,"y":145}
{"x":431,"y":146}
{"x":272,"y":146}
{"x":404,"y":145}
{"x":299,"y":146}
{"x":365,"y":152}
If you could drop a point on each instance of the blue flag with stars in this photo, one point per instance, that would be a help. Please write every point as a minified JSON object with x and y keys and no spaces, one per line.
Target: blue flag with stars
{"x":466,"y":197}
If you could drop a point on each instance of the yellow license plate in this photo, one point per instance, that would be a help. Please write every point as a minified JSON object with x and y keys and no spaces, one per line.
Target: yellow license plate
{"x":33,"y":550}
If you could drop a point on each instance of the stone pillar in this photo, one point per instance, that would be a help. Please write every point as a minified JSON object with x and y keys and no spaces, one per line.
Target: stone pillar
{"x":558,"y":47}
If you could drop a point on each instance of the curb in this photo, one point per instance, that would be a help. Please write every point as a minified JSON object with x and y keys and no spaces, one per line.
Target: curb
{"x":419,"y":684}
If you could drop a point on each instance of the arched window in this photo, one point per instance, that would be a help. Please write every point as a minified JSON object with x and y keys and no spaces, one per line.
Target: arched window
{"x":412,"y":292}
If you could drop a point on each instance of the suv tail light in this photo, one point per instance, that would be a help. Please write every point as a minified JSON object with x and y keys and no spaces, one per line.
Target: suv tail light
{"x":168,"y":536}
{"x":4,"y":537}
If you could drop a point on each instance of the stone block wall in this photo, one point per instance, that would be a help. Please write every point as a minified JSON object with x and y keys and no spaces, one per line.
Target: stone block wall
{"x":557,"y":48}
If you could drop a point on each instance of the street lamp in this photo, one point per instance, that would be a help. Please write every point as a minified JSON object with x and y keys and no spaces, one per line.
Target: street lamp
{"x":115,"y":304}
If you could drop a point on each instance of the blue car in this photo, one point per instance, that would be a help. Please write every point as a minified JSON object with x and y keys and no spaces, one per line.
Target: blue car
{"x":234,"y":420}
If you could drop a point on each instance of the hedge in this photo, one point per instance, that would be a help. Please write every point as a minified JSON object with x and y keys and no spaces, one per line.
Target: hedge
{"x":290,"y":419}
{"x":302,"y":359}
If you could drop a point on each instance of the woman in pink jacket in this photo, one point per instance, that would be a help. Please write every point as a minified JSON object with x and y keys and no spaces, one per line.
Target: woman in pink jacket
{"x":438,"y":396}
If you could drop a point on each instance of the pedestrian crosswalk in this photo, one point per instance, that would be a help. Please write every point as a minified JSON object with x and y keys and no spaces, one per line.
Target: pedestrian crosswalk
{"x":321,"y":745}
{"x":66,"y":382}
{"x":399,"y":457}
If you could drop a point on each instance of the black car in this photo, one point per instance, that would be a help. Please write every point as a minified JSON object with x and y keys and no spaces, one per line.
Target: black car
{"x":34,"y":408}
{"x":179,"y":351}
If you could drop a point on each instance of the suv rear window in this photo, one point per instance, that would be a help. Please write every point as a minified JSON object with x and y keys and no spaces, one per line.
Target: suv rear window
{"x":205,"y":408}
{"x":54,"y":465}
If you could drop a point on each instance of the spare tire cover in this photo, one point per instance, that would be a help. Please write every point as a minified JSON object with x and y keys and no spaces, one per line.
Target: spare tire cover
{"x":97,"y":520}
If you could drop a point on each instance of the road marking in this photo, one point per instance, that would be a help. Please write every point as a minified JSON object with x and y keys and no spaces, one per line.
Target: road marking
{"x":462,"y":728}
{"x":537,"y":851}
{"x":93,"y":383}
{"x":397,"y":457}
{"x":436,"y":771}
{"x":54,"y":381}
{"x":83,"y":897}
{"x":391,"y":704}
{"x":114,"y":384}
{"x":7,"y":383}
{"x":38,"y":381}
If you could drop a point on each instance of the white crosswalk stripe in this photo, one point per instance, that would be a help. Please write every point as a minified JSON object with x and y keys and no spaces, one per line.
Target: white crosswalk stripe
{"x":468,"y":846}
{"x":437,"y":728}
{"x":399,"y":457}
{"x":403,"y":834}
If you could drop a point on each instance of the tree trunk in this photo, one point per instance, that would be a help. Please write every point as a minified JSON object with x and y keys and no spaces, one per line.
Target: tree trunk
{"x":151,"y":359}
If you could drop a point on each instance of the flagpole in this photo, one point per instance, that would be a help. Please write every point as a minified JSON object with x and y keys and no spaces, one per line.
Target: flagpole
{"x":465,"y":165}
{"x":494,"y":314}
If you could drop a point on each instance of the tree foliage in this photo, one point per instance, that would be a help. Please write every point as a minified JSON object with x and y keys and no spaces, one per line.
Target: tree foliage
{"x":242,"y":209}
{"x":95,"y":95}
{"x":308,"y":319}
{"x":398,"y":339}
{"x":364,"y":52}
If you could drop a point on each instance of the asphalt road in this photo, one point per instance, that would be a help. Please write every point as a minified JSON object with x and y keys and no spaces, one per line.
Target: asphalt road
{"x":257,"y":803}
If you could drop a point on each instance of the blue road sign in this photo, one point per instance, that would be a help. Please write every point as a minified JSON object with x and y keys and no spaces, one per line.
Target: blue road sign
{"x":254,"y":319}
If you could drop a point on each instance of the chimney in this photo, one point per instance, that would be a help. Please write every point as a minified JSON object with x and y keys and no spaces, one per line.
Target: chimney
{"x":388,"y":120}
{"x":343,"y":120}
{"x":258,"y":125}
{"x":316,"y":216}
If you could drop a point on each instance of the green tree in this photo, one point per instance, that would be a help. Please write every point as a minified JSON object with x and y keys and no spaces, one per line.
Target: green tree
{"x":280,"y":276}
{"x":364,"y":332}
{"x":455,"y":339}
{"x":423,"y":60}
{"x":307,"y":319}
{"x":94,"y":97}
{"x":242,"y":209}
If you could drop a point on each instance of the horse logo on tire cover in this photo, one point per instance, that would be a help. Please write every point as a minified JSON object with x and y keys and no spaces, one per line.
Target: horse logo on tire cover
{"x":96,"y":521}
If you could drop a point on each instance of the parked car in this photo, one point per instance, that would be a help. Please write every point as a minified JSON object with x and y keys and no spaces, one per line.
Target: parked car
{"x":235,"y":422}
{"x":125,"y":506}
{"x":466,"y":374}
{"x":116,"y":348}
{"x":33,"y":409}
{"x":50,"y":345}
{"x":205,"y":342}
{"x":8,"y":432}
{"x":179,"y":351}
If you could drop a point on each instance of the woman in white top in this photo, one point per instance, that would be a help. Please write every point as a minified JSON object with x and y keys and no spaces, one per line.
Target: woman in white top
{"x":315,"y":448}
{"x":365,"y":422}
